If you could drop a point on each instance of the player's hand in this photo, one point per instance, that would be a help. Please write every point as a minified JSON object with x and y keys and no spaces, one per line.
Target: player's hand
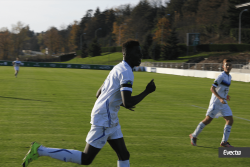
{"x":222,"y":101}
{"x":131,"y":108}
{"x":151,"y":86}
{"x":228,"y":97}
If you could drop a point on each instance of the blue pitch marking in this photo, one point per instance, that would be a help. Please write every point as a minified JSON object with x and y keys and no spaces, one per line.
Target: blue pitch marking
{"x":233,"y":115}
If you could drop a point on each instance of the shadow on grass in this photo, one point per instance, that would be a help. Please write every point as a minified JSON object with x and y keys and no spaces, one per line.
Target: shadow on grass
{"x":208,"y":147}
{"x":23,"y":99}
{"x":40,"y":79}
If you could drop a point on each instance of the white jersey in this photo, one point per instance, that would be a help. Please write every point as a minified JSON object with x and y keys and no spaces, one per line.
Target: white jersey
{"x":17,"y":63}
{"x":221,"y":84}
{"x":105,"y":110}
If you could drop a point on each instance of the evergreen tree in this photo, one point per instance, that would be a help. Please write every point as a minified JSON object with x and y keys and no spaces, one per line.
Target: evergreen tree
{"x":97,"y":12}
{"x":155,"y":51}
{"x":170,"y":49}
{"x":146,"y":45}
{"x":95,"y":48}
{"x":84,"y":50}
{"x":174,"y":7}
{"x":191,"y":6}
{"x":141,"y":20}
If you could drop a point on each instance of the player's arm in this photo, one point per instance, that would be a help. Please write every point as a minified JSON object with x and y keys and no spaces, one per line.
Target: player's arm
{"x":217,"y":95}
{"x":99,"y":91}
{"x":129,"y":101}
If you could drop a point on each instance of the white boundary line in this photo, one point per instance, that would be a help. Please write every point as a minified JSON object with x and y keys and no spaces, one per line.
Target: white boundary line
{"x":233,"y":116}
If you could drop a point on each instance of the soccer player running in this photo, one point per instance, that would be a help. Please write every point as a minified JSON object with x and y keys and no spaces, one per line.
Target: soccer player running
{"x":115,"y":92}
{"x":218,"y":105}
{"x":16,"y":65}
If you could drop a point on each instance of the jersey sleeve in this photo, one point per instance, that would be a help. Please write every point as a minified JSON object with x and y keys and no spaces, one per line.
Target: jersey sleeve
{"x":217,"y":81}
{"x":126,"y":81}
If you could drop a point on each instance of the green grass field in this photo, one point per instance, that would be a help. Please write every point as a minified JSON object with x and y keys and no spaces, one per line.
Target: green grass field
{"x":53,"y":106}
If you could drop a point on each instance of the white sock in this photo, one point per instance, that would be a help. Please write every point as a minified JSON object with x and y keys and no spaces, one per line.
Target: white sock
{"x":227,"y":130}
{"x":123,"y":163}
{"x":65,"y":155}
{"x":198,"y":129}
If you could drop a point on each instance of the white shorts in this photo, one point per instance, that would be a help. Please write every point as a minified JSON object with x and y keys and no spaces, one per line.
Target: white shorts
{"x":219,"y":110}
{"x":16,"y":68}
{"x":98,"y":135}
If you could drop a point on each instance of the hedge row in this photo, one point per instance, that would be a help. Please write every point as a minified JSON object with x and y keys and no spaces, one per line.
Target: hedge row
{"x":217,"y":47}
{"x":201,"y":48}
{"x":111,"y":49}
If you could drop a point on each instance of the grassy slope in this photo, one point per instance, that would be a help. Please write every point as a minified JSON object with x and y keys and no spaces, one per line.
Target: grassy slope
{"x":53,"y":106}
{"x":114,"y":58}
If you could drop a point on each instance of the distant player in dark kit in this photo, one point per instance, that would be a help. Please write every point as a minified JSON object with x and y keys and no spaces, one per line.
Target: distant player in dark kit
{"x":218,"y":105}
{"x":115,"y":92}
{"x":16,"y":65}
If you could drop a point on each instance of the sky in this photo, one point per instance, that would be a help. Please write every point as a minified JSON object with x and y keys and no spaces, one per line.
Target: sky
{"x":40,"y":15}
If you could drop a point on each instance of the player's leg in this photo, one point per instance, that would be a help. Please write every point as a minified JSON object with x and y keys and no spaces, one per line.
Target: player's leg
{"x":227,"y":131}
{"x":95,"y":137}
{"x":120,"y":148}
{"x":199,"y":128}
{"x":66,"y":155}
{"x":17,"y":72}
{"x":89,"y":154}
{"x":207,"y":120}
{"x":228,"y":116}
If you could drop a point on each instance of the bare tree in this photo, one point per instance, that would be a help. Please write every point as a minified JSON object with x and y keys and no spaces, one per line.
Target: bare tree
{"x":19,"y":36}
{"x":52,"y":40}
{"x":5,"y":42}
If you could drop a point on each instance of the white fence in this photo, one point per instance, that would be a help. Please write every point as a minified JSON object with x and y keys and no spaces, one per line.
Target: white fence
{"x":196,"y":66}
{"x":243,"y":77}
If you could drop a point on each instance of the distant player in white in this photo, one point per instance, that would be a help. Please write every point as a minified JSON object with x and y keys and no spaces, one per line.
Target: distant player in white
{"x":218,"y":105}
{"x":16,"y":65}
{"x":115,"y":92}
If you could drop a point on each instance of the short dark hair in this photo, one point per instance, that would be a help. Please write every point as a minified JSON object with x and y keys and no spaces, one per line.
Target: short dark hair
{"x":226,"y":60}
{"x":128,"y":46}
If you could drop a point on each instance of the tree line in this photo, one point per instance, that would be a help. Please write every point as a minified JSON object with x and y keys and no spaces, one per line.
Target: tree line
{"x":158,"y":25}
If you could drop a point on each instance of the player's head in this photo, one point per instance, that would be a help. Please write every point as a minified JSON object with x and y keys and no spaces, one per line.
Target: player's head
{"x":132,"y":53}
{"x":17,"y":58}
{"x":227,"y":66}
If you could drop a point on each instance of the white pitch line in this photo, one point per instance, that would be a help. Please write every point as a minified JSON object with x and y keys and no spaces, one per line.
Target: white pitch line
{"x":233,"y":116}
{"x":242,"y":118}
